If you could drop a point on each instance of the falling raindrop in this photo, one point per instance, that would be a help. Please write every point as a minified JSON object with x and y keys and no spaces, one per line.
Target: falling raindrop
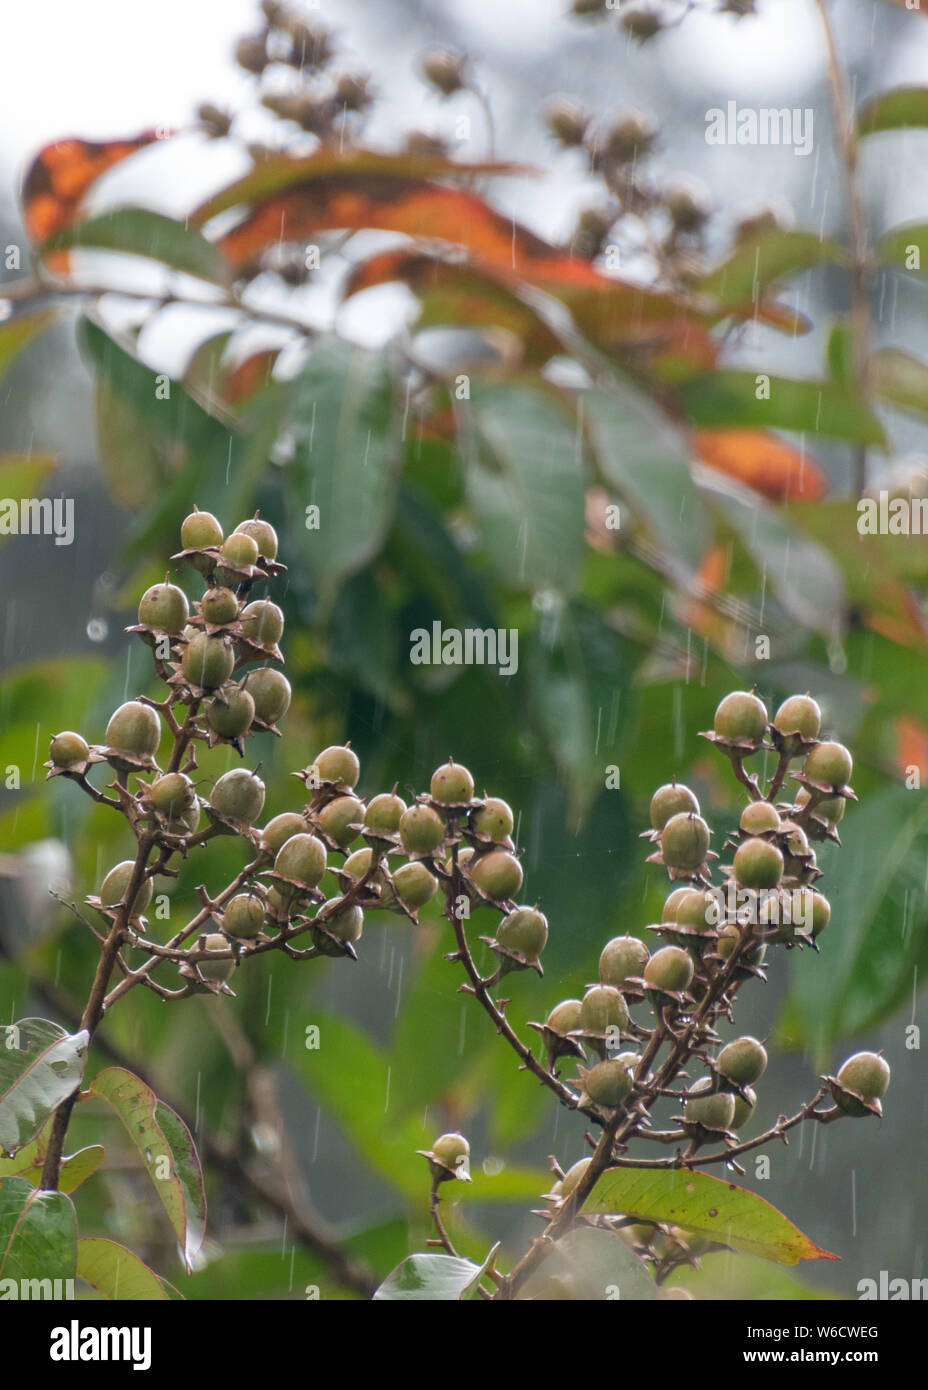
{"x":98,"y":629}
{"x":493,"y":1166}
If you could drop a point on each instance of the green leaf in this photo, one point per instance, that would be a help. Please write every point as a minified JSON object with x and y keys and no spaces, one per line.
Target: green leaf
{"x":40,"y":1065}
{"x":894,"y":110}
{"x":801,"y":572}
{"x":728,"y":398}
{"x":141,"y":232}
{"x":346,"y":461}
{"x":839,"y":353}
{"x":896,"y":247}
{"x":38,"y":1233}
{"x":16,"y":332}
{"x":525,"y":483}
{"x":707,"y":1206}
{"x":433,"y":1278}
{"x":901,"y":378}
{"x":116,"y":1272}
{"x":590,"y":1265}
{"x":165,"y":1143}
{"x":877,"y":939}
{"x":758,"y":261}
{"x":22,"y":475}
{"x":646,"y":459}
{"x":75,"y":1168}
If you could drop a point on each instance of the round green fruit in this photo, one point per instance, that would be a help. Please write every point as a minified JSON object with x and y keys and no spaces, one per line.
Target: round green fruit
{"x":207,"y":661}
{"x":219,"y":606}
{"x":238,"y":796}
{"x":622,"y":958}
{"x":68,"y":748}
{"x":829,"y":764}
{"x":239,"y":550}
{"x":414,"y":885}
{"x":116,"y":884}
{"x":302,"y":859}
{"x":219,"y":970}
{"x":199,"y":530}
{"x":494,"y":819}
{"x":685,"y":841}
{"x":270,"y":690}
{"x":339,"y":819}
{"x":743,"y":1061}
{"x":744,"y":1109}
{"x":524,"y":930}
{"x":243,"y":916}
{"x":498,"y":874}
{"x":602,"y":1008}
{"x":758,"y":864}
{"x":263,"y":535}
{"x":134,"y":729}
{"x":828,"y":808}
{"x":609,"y":1082}
{"x":868,"y":1075}
{"x":801,"y":715}
{"x":346,"y":923}
{"x":669,"y":969}
{"x":564,"y":1018}
{"x":383,"y":814}
{"x":262,"y":623}
{"x":165,"y":607}
{"x":671,"y":800}
{"x":741,"y":718}
{"x":280,"y":829}
{"x":233,"y":718}
{"x":451,"y":784}
{"x":671,"y":905}
{"x":422,"y":830}
{"x":698,"y":910}
{"x":759,"y":818}
{"x":172,"y":794}
{"x":571,"y":1179}
{"x":711,"y":1111}
{"x":339,"y":763}
{"x":453,"y":1152}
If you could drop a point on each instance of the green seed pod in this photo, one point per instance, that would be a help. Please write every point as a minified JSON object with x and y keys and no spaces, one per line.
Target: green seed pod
{"x":413,"y":884}
{"x":346,"y":924}
{"x":270,"y":690}
{"x":172,"y":795}
{"x":116,"y":884}
{"x":685,"y":842}
{"x":302,"y":859}
{"x":199,"y":530}
{"x":422,"y":830}
{"x":498,"y":874}
{"x":164,"y":607}
{"x":758,"y":864}
{"x":744,"y":1109}
{"x":187,"y":823}
{"x":669,"y":969}
{"x":564,"y":1018}
{"x":262,"y":623}
{"x":571,"y":1179}
{"x":219,"y":606}
{"x":219,"y":970}
{"x":620,"y":958}
{"x":207,"y":661}
{"x":800,"y":714}
{"x":672,"y":799}
{"x":336,"y":764}
{"x":743,"y":1061}
{"x":234,"y":718}
{"x":868,"y":1076}
{"x":609,"y":1082}
{"x":741,"y":718}
{"x":337,"y":818}
{"x":829,"y":808}
{"x":711,"y":1111}
{"x":239,"y":549}
{"x":134,"y":729}
{"x":451,"y":783}
{"x":759,"y":818}
{"x":671,"y":906}
{"x":829,"y":764}
{"x":698,"y":910}
{"x":494,"y":819}
{"x":281,"y":829}
{"x":524,"y":930}
{"x":68,"y":748}
{"x":383,"y":814}
{"x":238,"y":796}
{"x":452,"y":1152}
{"x":603,"y":1008}
{"x":263,"y":534}
{"x":243,"y":916}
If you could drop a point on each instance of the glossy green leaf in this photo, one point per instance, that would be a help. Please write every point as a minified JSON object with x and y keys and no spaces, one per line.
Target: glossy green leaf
{"x":75,"y":1168}
{"x":16,"y":333}
{"x":525,"y":483}
{"x":900,"y":378}
{"x":905,"y":246}
{"x":730,"y":397}
{"x":896,"y":109}
{"x":116,"y":1272}
{"x":141,"y":232}
{"x":839,"y":353}
{"x":40,"y":1065}
{"x":590,"y":1265}
{"x":802,"y":574}
{"x":346,"y":461}
{"x":707,"y":1206}
{"x":758,"y":261}
{"x":38,"y":1234}
{"x":434,"y":1278}
{"x":646,"y":459}
{"x":167,"y":1149}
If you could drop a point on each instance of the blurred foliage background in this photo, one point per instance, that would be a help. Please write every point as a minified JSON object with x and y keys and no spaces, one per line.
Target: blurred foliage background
{"x":585,"y":388}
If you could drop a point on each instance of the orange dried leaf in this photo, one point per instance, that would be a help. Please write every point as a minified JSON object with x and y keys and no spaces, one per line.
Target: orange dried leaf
{"x":763,"y":462}
{"x":911,"y":744}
